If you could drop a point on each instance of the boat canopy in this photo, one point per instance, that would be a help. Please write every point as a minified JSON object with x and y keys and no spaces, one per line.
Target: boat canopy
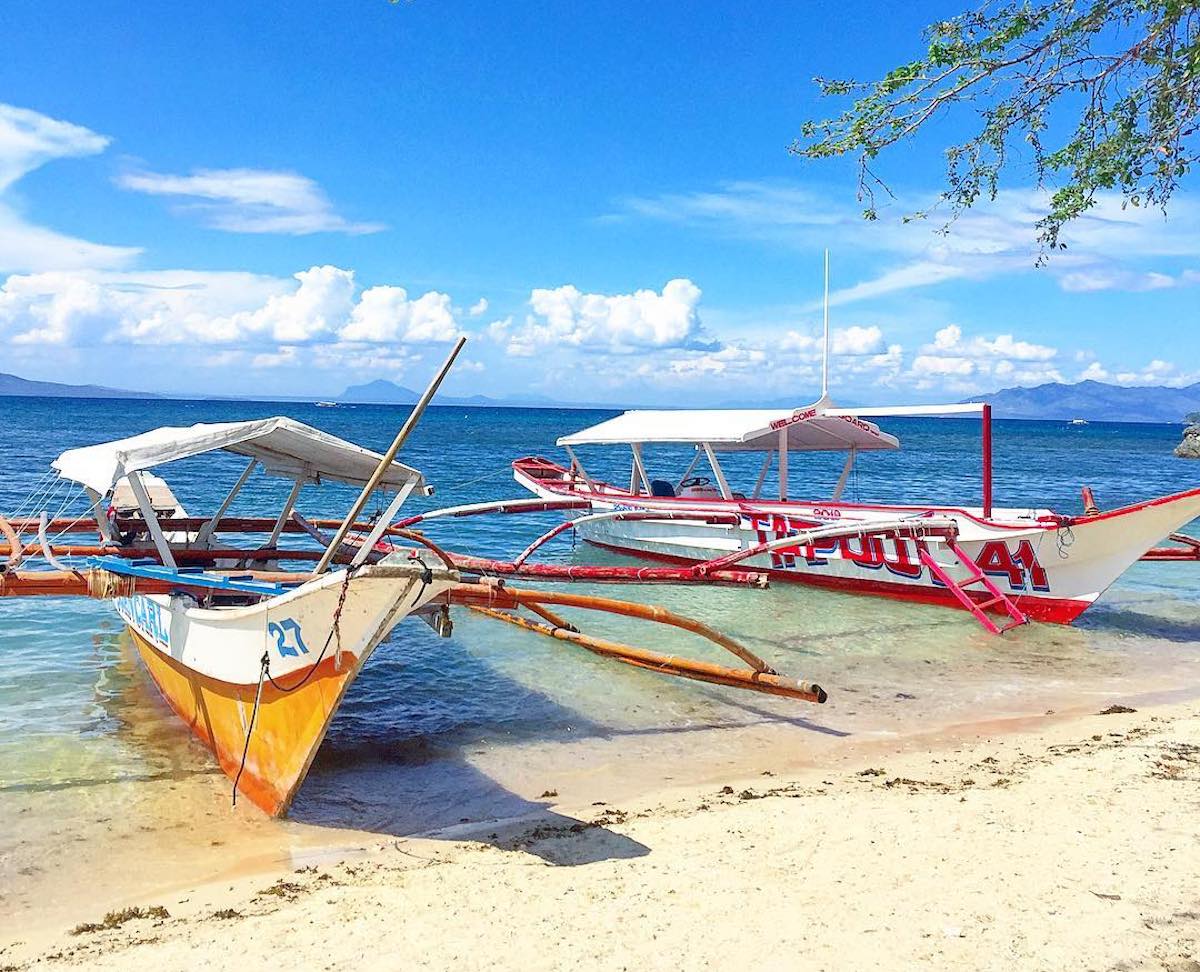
{"x":284,"y":446}
{"x":811,"y":429}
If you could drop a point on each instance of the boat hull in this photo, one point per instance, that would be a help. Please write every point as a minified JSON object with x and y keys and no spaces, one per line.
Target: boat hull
{"x":1053,"y":568}
{"x":208,"y":666}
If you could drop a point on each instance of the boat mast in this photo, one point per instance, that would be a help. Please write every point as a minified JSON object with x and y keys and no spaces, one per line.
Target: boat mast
{"x":825,"y":354}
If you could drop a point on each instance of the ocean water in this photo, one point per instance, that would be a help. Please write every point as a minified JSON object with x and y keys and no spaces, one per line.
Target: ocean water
{"x":481,"y":725}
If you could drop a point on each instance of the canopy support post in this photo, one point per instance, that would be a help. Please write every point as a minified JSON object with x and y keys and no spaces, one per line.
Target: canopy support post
{"x":640,"y":469}
{"x":297,"y":485}
{"x":841,"y":483}
{"x":576,"y":464}
{"x":718,"y":471}
{"x":783,"y":465}
{"x":383,"y":522}
{"x":762,"y":475}
{"x":103,"y":527}
{"x":143,"y":501}
{"x":987,"y":462}
{"x":210,"y":527}
{"x":690,"y":467}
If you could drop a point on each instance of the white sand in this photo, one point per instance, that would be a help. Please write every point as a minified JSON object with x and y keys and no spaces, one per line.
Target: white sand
{"x":1073,"y":845}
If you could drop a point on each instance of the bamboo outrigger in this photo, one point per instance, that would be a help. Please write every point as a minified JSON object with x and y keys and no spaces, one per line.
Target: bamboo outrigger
{"x":255,"y":655}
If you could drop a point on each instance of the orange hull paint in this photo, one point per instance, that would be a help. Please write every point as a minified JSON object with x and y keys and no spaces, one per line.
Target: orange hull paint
{"x":287,"y":731}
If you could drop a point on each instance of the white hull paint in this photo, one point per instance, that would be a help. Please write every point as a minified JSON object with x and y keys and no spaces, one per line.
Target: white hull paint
{"x":1053,"y":568}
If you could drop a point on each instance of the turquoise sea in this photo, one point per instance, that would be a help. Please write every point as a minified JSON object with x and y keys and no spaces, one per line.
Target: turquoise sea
{"x":482,"y":725}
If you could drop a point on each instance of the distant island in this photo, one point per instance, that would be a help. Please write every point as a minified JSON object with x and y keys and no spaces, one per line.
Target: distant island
{"x":1096,"y":402}
{"x":11,"y":385}
{"x":384,"y":392}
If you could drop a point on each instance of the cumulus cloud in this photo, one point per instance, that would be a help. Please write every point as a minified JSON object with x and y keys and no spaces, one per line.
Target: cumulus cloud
{"x":250,"y":200}
{"x":853,"y":340}
{"x":319,"y":305}
{"x":614,"y":323}
{"x":29,"y":140}
{"x":386,"y":314}
{"x":479,"y":308}
{"x":949,"y":340}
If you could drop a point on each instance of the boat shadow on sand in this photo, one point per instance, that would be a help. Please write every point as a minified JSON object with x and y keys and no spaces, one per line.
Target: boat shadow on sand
{"x":378,"y":772}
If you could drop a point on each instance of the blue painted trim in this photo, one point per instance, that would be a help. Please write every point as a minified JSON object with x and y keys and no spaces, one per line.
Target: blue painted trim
{"x":186,"y":576}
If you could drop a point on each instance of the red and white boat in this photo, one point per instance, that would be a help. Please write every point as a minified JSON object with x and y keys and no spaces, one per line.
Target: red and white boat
{"x":1020,"y":563}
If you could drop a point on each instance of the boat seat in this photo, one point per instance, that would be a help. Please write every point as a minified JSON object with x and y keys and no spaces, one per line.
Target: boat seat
{"x":660,"y":487}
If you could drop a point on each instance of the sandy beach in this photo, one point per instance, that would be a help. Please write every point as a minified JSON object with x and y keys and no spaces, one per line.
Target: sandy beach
{"x":1067,"y":842}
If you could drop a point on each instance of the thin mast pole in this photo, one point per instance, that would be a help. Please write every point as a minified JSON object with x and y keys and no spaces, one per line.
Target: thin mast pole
{"x":381,"y":470}
{"x":825,"y":355}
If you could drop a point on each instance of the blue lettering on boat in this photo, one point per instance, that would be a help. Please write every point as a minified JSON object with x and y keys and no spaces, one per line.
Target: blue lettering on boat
{"x":288,"y":639}
{"x":147,"y":616}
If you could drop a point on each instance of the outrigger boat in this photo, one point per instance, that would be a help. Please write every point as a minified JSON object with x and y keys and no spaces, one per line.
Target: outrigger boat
{"x":1019,"y":563}
{"x":256,"y":658}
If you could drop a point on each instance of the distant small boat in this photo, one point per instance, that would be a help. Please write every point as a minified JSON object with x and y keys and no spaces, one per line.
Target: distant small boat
{"x":1078,"y":422}
{"x":326,"y":404}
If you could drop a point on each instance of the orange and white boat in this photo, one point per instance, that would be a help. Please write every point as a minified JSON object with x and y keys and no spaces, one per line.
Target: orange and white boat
{"x":256,"y":664}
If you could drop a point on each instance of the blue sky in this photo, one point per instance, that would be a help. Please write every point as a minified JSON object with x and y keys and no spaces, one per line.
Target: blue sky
{"x":286,"y":199}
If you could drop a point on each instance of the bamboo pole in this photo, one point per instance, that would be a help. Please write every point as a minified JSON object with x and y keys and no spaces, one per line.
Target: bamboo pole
{"x":492,"y":595}
{"x":381,"y":470}
{"x":756,"y":681}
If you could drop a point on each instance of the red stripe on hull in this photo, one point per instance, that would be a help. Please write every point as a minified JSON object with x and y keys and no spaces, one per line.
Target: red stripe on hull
{"x":1054,"y":610}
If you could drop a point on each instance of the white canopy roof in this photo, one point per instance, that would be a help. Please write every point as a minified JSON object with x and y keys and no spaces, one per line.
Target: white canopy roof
{"x":740,"y":430}
{"x":284,"y":446}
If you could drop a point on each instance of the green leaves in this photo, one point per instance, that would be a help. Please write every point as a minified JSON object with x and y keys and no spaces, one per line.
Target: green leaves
{"x":1093,"y":95}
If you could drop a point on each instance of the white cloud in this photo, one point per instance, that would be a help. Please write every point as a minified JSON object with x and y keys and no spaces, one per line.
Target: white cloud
{"x":318,"y":305}
{"x":250,"y":200}
{"x":28,"y":140}
{"x":479,"y":308}
{"x":998,"y":238}
{"x":853,"y":340}
{"x":86,"y":308}
{"x":949,"y":340}
{"x":323,"y":300}
{"x":617,"y":323}
{"x":284,"y":355}
{"x":385,"y":314}
{"x":933,"y":364}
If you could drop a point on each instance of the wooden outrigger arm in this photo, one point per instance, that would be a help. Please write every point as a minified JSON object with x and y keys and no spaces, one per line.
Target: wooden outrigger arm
{"x":499,"y":602}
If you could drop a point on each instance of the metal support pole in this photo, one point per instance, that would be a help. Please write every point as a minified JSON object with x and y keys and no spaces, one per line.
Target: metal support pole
{"x":382,"y":524}
{"x":151,"y":518}
{"x":841,"y":483}
{"x":285,"y":512}
{"x":718,"y":471}
{"x":206,"y":531}
{"x":762,"y":475}
{"x":783,"y":464}
{"x":987,"y":461}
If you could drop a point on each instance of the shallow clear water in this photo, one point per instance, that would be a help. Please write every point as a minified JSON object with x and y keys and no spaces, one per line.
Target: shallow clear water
{"x":477,"y":726}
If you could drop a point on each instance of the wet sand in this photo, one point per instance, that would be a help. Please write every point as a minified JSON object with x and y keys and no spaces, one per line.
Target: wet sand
{"x":1067,"y":841}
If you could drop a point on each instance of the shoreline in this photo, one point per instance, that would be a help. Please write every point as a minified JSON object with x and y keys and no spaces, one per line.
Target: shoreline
{"x":868,"y":840}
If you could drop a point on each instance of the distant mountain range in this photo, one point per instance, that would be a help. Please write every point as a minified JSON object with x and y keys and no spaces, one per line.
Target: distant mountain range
{"x":384,"y":392}
{"x":1091,"y":400}
{"x":12,"y":385}
{"x":1096,"y":402}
